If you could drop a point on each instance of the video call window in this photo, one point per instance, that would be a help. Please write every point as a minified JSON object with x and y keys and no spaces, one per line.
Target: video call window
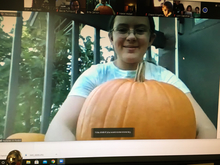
{"x":112,"y":7}
{"x":72,"y":6}
{"x":187,"y":9}
{"x":170,"y":8}
{"x":33,"y":54}
{"x":40,"y":5}
{"x":130,"y":7}
{"x":103,"y":7}
{"x":155,"y":8}
{"x":11,"y":5}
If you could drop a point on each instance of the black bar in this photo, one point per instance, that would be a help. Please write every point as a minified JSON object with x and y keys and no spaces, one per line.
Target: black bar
{"x":112,"y":132}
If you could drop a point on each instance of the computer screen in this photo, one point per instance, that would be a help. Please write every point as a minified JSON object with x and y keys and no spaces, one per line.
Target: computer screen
{"x":109,"y":79}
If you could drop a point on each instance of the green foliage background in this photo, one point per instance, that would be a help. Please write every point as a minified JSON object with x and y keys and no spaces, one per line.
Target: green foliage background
{"x":31,"y":72}
{"x":5,"y":53}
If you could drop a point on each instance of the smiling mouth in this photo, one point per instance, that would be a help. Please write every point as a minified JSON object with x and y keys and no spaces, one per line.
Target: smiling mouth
{"x":131,"y":47}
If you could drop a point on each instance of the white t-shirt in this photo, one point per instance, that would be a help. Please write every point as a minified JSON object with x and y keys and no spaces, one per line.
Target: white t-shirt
{"x":101,"y":73}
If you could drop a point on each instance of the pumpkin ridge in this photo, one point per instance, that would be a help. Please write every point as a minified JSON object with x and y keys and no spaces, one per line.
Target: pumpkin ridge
{"x":166,"y":94}
{"x":172,"y":106}
{"x":118,"y":87}
{"x":83,"y":123}
{"x":127,"y":106}
{"x":146,"y":88}
{"x":126,"y":110}
{"x":112,"y":101}
{"x":144,"y":85}
{"x":107,"y":87}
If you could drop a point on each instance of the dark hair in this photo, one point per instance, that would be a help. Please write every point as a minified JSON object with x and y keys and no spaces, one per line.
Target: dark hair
{"x":75,"y":1}
{"x":197,"y":8}
{"x":168,"y":5}
{"x":151,"y":21}
{"x":188,"y":7}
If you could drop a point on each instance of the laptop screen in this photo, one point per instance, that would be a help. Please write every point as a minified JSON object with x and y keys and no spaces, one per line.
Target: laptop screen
{"x":90,"y":79}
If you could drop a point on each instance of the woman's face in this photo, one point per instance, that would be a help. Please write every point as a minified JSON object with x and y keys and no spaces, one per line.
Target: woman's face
{"x":189,"y":8}
{"x":75,"y":6}
{"x":165,"y":11}
{"x":129,"y":47}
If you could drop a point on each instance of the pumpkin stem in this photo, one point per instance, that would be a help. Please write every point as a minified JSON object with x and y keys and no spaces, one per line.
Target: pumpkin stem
{"x":140,"y":73}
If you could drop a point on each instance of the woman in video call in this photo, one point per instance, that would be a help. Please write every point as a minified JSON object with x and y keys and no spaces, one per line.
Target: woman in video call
{"x":167,"y":9}
{"x":189,"y":10}
{"x":75,"y":7}
{"x":130,"y":37}
{"x":196,"y":14}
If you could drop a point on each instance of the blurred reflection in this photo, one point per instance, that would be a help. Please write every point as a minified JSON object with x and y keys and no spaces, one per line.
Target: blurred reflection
{"x":14,"y":158}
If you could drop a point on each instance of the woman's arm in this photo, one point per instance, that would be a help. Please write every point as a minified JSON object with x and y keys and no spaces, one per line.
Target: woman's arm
{"x":205,"y":128}
{"x":63,"y":125}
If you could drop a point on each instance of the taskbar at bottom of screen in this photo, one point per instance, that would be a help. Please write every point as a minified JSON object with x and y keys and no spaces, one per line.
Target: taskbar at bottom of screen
{"x":55,"y":161}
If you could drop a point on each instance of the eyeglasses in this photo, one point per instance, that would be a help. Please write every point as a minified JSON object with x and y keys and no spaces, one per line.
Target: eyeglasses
{"x":125,"y":31}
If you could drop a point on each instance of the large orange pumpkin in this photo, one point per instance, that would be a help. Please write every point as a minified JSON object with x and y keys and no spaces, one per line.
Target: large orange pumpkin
{"x":105,"y":10}
{"x":154,"y":109}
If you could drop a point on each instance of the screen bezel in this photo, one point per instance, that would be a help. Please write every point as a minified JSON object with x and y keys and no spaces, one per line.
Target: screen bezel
{"x":124,"y":151}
